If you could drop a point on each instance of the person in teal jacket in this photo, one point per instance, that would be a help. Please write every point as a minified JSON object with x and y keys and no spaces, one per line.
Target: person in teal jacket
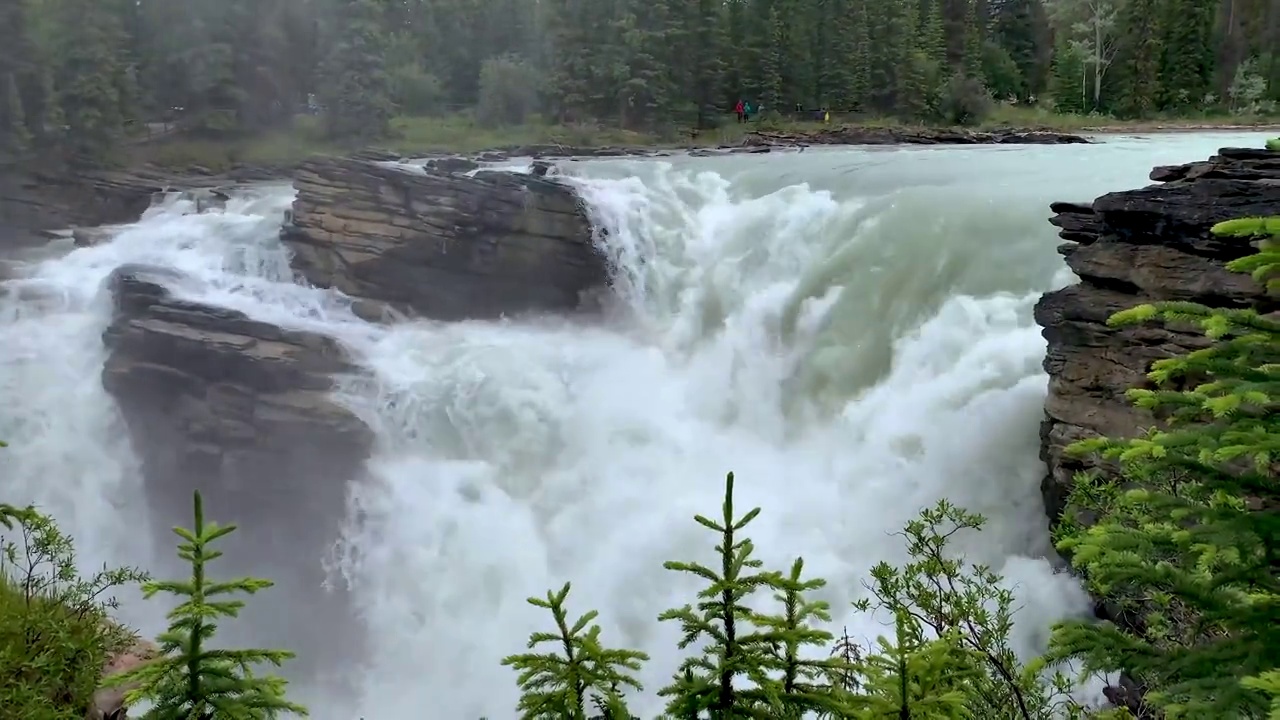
{"x":747,"y":112}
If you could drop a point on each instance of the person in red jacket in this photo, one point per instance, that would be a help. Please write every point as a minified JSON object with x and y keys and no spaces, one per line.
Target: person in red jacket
{"x":741,"y":111}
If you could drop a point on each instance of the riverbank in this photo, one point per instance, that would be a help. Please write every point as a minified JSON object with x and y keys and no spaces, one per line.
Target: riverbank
{"x":459,"y":134}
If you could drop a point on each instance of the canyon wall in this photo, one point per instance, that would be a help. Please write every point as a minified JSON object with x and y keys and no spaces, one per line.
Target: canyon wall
{"x":1133,"y":247}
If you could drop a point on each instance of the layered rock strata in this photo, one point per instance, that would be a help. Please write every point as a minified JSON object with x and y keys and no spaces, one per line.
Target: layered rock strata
{"x":241,"y":410}
{"x":441,"y":244}
{"x":1128,"y":248}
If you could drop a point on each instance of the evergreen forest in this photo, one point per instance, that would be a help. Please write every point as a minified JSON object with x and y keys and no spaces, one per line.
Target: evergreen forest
{"x":81,"y":77}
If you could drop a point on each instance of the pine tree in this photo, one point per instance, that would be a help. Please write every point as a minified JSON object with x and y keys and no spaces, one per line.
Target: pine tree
{"x":1186,"y":543}
{"x":912,"y":677}
{"x":189,"y":680}
{"x":357,"y":91}
{"x":733,"y":651}
{"x":803,"y":685}
{"x":14,"y":136}
{"x":558,"y":686}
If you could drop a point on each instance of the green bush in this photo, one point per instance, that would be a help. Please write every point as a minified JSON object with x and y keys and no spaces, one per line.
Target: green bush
{"x":55,"y":631}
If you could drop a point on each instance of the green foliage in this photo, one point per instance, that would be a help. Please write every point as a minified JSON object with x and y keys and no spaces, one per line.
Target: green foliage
{"x":558,"y":686}
{"x":190,"y":679}
{"x":1185,"y":543}
{"x":55,"y":632}
{"x":967,"y":610}
{"x":509,"y":89}
{"x":964,"y":100}
{"x":949,"y":657}
{"x":91,"y":78}
{"x":356,"y":94}
{"x":735,"y":650}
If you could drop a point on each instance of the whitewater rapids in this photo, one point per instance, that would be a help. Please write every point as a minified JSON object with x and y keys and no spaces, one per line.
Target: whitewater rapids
{"x":849,"y":331}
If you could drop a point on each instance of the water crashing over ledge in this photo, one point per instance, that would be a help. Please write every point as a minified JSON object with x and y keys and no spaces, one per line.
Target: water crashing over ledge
{"x":796,"y":322}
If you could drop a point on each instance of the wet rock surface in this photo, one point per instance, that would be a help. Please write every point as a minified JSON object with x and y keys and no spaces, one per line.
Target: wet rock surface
{"x":241,"y":410}
{"x":441,"y":244}
{"x":1132,"y":247}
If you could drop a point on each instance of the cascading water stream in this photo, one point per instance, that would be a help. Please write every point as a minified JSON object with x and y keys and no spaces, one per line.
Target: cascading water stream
{"x":849,"y":331}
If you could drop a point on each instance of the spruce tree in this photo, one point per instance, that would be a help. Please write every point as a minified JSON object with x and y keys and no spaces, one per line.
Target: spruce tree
{"x":559,"y":685}
{"x":912,"y":677}
{"x":1186,"y":543}
{"x":356,"y":93}
{"x":190,"y":680}
{"x":802,"y":685}
{"x":734,"y":649}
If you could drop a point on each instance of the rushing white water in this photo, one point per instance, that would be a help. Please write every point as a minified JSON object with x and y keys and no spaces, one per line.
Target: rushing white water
{"x":849,"y":331}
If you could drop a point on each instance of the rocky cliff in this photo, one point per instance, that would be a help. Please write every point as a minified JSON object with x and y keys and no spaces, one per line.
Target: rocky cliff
{"x":240,"y":410}
{"x":1132,"y":247}
{"x":34,"y":201}
{"x":439,"y":244}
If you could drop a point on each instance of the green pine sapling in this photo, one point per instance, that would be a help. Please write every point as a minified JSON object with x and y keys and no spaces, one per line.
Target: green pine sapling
{"x":802,"y":685}
{"x":1186,"y":543}
{"x":190,"y":680}
{"x":735,"y":650}
{"x":558,"y":685}
{"x":916,"y":677}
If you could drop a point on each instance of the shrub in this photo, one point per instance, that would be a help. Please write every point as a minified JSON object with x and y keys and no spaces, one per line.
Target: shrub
{"x":55,"y":633}
{"x":964,"y":100}
{"x":509,"y":89}
{"x":416,"y":91}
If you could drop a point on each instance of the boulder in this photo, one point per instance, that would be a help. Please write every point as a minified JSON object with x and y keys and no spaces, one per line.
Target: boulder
{"x":439,"y":244}
{"x":1133,"y":247}
{"x":108,"y":703}
{"x":242,"y":411}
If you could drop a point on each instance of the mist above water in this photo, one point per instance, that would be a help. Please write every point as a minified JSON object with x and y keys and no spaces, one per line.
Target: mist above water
{"x":849,"y":331}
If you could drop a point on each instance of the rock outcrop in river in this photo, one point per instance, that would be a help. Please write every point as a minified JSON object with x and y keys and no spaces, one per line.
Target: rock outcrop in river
{"x":440,"y":244}
{"x":241,"y":410}
{"x":1132,"y":247}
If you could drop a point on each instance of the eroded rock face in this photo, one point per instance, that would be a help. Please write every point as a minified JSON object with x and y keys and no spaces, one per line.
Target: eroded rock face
{"x":1133,"y":247}
{"x":240,"y":410}
{"x":441,"y":244}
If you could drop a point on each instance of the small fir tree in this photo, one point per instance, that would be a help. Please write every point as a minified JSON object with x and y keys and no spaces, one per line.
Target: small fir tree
{"x":559,"y":685}
{"x":803,"y":685}
{"x":708,"y":682}
{"x":189,"y":680}
{"x":1187,"y":542}
{"x":913,"y":677}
